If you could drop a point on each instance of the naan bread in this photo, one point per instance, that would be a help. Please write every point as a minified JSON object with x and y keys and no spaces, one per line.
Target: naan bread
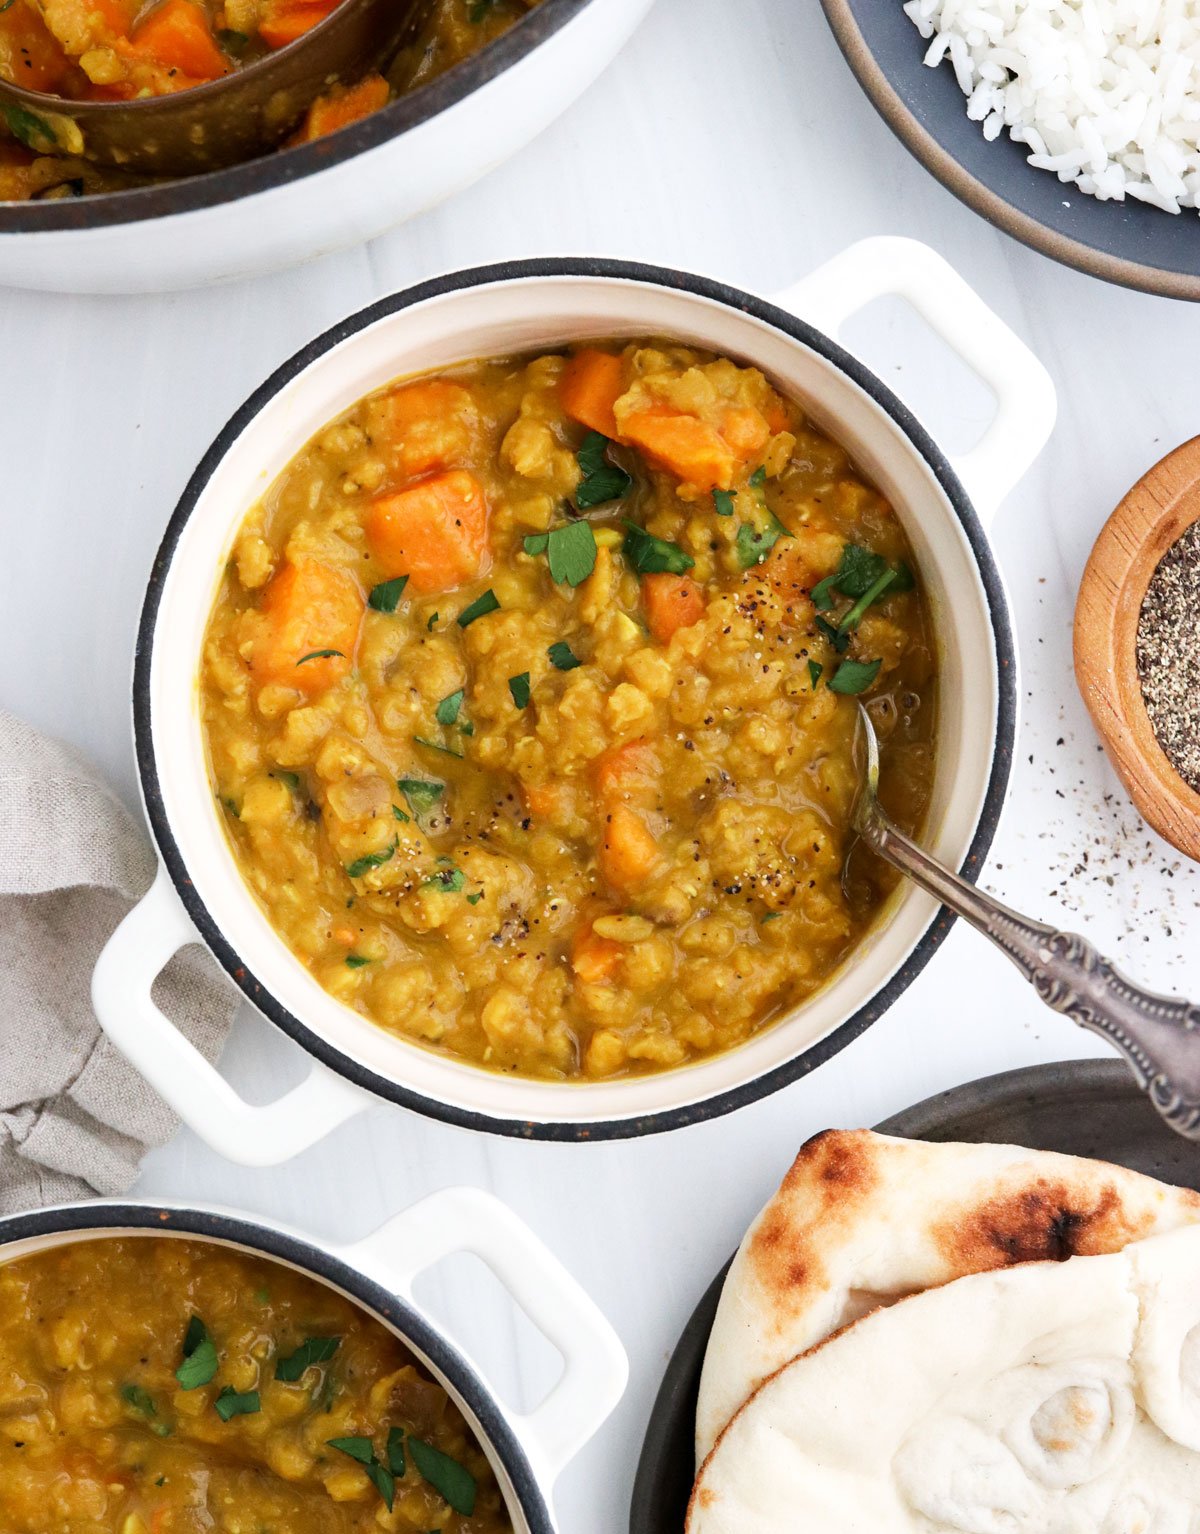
{"x":1050,"y":1398}
{"x":863,"y":1219}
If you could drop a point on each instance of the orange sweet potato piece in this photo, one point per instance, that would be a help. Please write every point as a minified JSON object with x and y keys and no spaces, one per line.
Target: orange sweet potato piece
{"x":594,"y":958}
{"x":307,"y":606}
{"x":628,"y":851}
{"x":624,"y":771}
{"x":589,"y":387}
{"x":695,"y":452}
{"x":177,"y":35}
{"x":284,"y":23}
{"x":670,"y":602}
{"x":29,"y":52}
{"x":429,"y":424}
{"x":435,"y":532}
{"x":342,"y":106}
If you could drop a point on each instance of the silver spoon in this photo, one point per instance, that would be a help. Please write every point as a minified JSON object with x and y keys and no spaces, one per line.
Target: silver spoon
{"x":1158,"y":1036}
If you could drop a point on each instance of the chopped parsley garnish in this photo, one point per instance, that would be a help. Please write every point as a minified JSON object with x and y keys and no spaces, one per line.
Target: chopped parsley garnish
{"x":518,"y":686}
{"x":771,"y":916}
{"x":320,"y":655}
{"x":815,"y":669}
{"x":433,"y":618}
{"x":453,"y":1483}
{"x":562,"y":656}
{"x":421,"y":794}
{"x":199,"y":1356}
{"x":755,"y":543}
{"x":723,"y":502}
{"x":602,"y":481}
{"x":447,"y":709}
{"x":475,"y":898}
{"x":314,"y":1350}
{"x":141,"y":1400}
{"x":759,"y":477}
{"x":385,"y":597}
{"x":232,"y":42}
{"x":362,"y":1450}
{"x":356,"y":961}
{"x":433,"y":745}
{"x":570,"y":549}
{"x":890,"y":580}
{"x":395,"y":1452}
{"x":33,"y":131}
{"x":449,"y":878}
{"x":854,"y":676}
{"x":235,"y":1403}
{"x":371,"y":860}
{"x":489,"y":602}
{"x":292,"y":779}
{"x":398,"y":814}
{"x":651,"y":556}
{"x":839,"y":641}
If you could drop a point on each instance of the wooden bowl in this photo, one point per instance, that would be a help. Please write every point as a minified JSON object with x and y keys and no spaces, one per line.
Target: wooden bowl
{"x":1155,"y":513}
{"x":222,"y":122}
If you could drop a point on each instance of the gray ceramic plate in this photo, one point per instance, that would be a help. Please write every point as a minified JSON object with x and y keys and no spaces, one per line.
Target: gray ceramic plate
{"x":1089,"y":1108}
{"x":1128,"y":243}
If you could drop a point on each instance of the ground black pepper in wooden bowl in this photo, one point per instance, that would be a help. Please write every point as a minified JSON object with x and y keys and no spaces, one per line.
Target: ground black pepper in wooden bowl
{"x":1168,"y":654}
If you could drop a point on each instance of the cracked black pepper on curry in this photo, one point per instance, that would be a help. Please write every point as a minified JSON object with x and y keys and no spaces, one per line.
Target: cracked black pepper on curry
{"x":155,"y":1385}
{"x":529,"y":696}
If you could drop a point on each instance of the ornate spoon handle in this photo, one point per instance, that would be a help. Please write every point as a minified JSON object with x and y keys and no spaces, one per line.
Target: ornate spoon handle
{"x":1159,"y":1036}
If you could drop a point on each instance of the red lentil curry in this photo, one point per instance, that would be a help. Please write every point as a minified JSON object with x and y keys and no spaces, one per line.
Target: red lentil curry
{"x":529,"y":695}
{"x":119,"y":50}
{"x":165,"y":1386}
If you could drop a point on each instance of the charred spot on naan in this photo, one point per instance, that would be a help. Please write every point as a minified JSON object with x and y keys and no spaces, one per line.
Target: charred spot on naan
{"x":837,"y":1168}
{"x":1045,"y":1222}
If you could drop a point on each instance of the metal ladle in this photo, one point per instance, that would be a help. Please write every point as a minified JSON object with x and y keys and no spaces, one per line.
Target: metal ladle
{"x":1158,"y":1036}
{"x":222,"y":122}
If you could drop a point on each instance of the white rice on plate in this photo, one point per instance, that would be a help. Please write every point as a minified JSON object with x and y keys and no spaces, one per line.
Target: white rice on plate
{"x":1106,"y":93}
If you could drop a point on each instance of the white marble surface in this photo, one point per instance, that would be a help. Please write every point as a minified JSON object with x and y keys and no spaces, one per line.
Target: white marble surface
{"x":730,"y":139}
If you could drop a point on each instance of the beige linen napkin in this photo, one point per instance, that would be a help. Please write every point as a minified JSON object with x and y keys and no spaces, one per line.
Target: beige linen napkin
{"x":75,"y":1117}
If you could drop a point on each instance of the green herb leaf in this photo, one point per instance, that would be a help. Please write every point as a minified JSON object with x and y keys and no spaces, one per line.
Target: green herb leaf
{"x":839,"y":641}
{"x":475,"y":898}
{"x":759,"y":477}
{"x":771,"y":916}
{"x":234,"y":1403}
{"x":316,"y":1350}
{"x":487,"y":603}
{"x":371,"y":860}
{"x":754,"y":544}
{"x":384,"y":1482}
{"x":449,"y":878}
{"x":479,"y":11}
{"x":449,"y":1479}
{"x":447,"y":709}
{"x":854,"y":676}
{"x":421,"y":794}
{"x":319,"y":655}
{"x":292,"y":779}
{"x":602,"y":481}
{"x":536,"y":543}
{"x":649,"y":555}
{"x":859,"y":569}
{"x":815,"y":669}
{"x":199,"y":1356}
{"x":7,"y":6}
{"x":571,"y":550}
{"x":518,"y":686}
{"x":385,"y":598}
{"x":398,"y":814}
{"x":33,"y":131}
{"x":233,"y":42}
{"x":433,"y":745}
{"x":433,"y":618}
{"x":141,"y":1400}
{"x":356,"y":961}
{"x":723,"y":502}
{"x":361,"y":1449}
{"x":562,"y":656}
{"x":877,"y":589}
{"x":821,"y":595}
{"x":395,"y":1452}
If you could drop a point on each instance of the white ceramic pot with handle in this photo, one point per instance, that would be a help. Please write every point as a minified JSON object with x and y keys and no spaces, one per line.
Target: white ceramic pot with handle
{"x":340,"y":191}
{"x":499,"y":310}
{"x":528,"y":1451}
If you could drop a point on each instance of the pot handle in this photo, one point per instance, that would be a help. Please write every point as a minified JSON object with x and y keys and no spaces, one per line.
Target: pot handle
{"x":595,"y":1368}
{"x":153,"y":932}
{"x":1026,"y":404}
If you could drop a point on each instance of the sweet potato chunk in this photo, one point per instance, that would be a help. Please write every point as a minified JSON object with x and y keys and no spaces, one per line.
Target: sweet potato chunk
{"x":628,"y":852}
{"x":284,"y":22}
{"x":695,"y":452}
{"x":307,"y":607}
{"x":435,"y":532}
{"x":670,"y":602}
{"x":589,"y":387}
{"x":343,"y":106}
{"x":177,"y":35}
{"x":426,"y":425}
